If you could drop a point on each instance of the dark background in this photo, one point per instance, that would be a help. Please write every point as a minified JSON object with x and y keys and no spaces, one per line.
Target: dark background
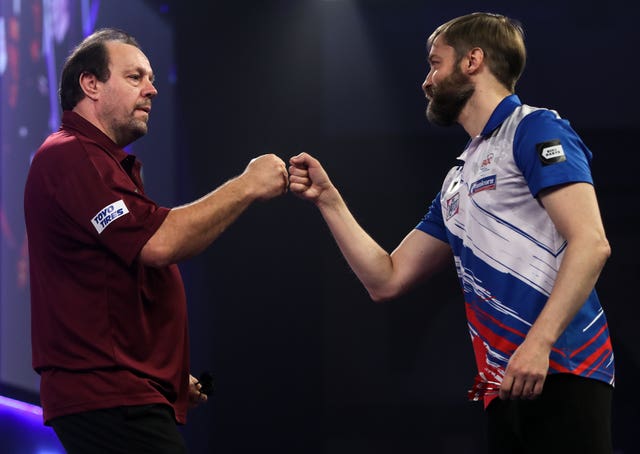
{"x":303,"y":360}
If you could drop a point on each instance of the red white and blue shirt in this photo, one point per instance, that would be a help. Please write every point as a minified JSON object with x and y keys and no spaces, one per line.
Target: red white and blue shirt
{"x":507,"y":250}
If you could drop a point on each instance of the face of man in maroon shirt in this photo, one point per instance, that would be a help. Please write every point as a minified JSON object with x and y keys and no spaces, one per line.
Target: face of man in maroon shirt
{"x":120,"y":106}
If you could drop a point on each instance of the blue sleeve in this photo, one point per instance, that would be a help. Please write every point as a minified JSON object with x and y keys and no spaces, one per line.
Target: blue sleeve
{"x":549,"y":152}
{"x":432,"y":222}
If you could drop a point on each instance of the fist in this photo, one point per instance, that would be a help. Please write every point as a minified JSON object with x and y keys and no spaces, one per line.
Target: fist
{"x":267,"y":176}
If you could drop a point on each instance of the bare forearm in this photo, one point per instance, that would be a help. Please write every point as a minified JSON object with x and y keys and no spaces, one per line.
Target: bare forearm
{"x":574,"y":211}
{"x":581,"y":266}
{"x":370,"y":262}
{"x":190,"y":228}
{"x":384,"y":275}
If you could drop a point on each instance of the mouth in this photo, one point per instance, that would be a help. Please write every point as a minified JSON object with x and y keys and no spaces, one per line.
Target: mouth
{"x":146,"y":109}
{"x":428,"y":93}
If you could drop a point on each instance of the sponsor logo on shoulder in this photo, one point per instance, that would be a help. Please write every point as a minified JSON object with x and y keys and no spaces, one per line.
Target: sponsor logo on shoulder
{"x":483,"y":184}
{"x":550,"y":152}
{"x":108,"y":214}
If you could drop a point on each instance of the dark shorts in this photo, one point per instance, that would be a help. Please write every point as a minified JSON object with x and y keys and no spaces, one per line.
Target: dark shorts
{"x":572,"y":415}
{"x":122,"y":430}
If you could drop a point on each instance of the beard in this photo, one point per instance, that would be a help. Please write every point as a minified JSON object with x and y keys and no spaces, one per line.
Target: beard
{"x":129,"y":131}
{"x":449,"y":98}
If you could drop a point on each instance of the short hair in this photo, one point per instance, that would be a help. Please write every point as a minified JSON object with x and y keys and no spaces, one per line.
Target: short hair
{"x":90,"y":56}
{"x":500,"y":38}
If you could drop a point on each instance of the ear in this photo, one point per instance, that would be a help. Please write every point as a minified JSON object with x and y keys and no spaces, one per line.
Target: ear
{"x":473,"y":60}
{"x":89,"y":84}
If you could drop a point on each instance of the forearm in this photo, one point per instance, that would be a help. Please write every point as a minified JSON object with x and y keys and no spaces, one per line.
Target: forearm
{"x":189,"y":229}
{"x":371,"y":263}
{"x":384,"y":275}
{"x":581,"y":266}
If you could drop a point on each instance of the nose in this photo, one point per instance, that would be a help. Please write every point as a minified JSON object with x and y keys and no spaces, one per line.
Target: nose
{"x":427,"y":83}
{"x":150,"y":90}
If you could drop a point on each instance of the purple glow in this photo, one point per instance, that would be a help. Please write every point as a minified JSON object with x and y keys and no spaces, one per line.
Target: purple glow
{"x":21,"y":406}
{"x":89,"y":16}
{"x":22,"y":429}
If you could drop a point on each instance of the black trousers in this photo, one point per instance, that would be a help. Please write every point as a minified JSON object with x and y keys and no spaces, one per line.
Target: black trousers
{"x":122,"y":430}
{"x":572,"y":415}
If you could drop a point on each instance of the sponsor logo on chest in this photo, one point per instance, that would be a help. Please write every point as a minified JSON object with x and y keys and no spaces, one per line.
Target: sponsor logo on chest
{"x":452,"y":205}
{"x":485,"y":163}
{"x":483,"y":184}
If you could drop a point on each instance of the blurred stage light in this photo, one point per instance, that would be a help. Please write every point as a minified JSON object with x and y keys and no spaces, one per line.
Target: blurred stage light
{"x":23,"y":430}
{"x":20,"y":406}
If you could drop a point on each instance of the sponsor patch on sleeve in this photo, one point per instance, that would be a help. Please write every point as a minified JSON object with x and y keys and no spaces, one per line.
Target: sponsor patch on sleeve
{"x":550,"y":152}
{"x":108,"y":214}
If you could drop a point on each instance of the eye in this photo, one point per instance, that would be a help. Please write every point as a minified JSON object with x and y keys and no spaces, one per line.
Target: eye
{"x":135,"y":77}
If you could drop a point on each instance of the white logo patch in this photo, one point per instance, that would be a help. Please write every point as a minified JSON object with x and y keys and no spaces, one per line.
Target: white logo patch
{"x":550,"y":152}
{"x":108,"y":214}
{"x":553,"y":152}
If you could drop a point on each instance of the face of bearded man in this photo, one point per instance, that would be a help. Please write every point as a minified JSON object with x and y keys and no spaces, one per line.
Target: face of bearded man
{"x":448,"y":98}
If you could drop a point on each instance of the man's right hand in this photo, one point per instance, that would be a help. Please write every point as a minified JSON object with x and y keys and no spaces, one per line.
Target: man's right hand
{"x":308,"y":180}
{"x":267,"y":176}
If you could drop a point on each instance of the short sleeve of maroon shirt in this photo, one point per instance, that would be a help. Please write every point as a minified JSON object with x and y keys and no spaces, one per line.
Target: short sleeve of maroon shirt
{"x":106,"y":330}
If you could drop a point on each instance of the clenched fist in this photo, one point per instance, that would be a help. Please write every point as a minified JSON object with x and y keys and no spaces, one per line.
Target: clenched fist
{"x":266,"y":177}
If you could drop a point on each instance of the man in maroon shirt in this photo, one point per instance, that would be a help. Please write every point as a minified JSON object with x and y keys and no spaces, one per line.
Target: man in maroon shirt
{"x":108,"y":307}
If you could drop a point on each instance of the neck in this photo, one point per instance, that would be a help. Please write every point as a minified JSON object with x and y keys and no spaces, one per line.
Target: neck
{"x":478,"y":110}
{"x":86,"y":111}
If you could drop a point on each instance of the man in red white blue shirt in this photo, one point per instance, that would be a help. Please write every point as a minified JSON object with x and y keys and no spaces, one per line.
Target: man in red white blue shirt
{"x":519,"y":215}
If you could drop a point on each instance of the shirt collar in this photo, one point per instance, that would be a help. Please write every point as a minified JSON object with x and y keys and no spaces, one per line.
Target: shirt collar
{"x":500,"y":114}
{"x":74,"y":121}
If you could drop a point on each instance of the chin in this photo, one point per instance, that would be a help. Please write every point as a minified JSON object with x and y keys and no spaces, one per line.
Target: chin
{"x":131,"y":136}
{"x":139,"y":129}
{"x":440,"y":119}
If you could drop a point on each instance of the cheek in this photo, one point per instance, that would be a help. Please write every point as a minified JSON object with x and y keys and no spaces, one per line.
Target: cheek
{"x":430,"y":79}
{"x":437,"y":77}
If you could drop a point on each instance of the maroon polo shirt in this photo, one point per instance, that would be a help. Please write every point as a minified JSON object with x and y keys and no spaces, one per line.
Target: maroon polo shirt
{"x":106,"y":330}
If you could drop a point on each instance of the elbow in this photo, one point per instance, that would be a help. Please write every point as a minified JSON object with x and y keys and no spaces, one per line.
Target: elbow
{"x":382,"y":295}
{"x":597,"y":250}
{"x":156,"y":255}
{"x":605,"y":250}
{"x":383,"y":290}
{"x":378,"y":298}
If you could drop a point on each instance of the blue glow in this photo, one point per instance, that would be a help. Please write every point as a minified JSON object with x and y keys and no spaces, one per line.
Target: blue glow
{"x":20,"y":406}
{"x":89,"y":16}
{"x":23,"y":430}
